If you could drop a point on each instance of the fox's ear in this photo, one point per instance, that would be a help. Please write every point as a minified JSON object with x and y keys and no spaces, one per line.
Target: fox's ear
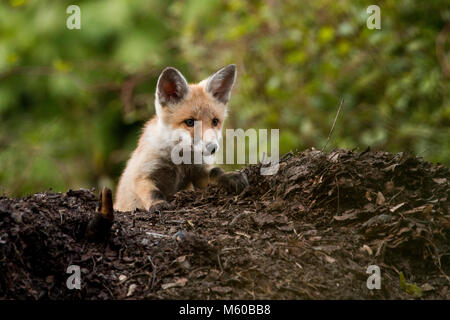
{"x":172,"y":87}
{"x":221,"y":83}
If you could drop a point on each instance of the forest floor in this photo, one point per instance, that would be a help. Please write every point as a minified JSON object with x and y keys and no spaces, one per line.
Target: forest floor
{"x":308,"y":232}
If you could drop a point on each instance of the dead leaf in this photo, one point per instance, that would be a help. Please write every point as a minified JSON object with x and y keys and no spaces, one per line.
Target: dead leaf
{"x":327,"y":248}
{"x":264,"y":219}
{"x":379,"y":219}
{"x":380,"y":199}
{"x":427,"y":287}
{"x":131,"y":290}
{"x":329,"y":259}
{"x":389,"y":186}
{"x":181,"y":282}
{"x":440,"y":180}
{"x":221,"y":290}
{"x":122,"y":278}
{"x":183,"y":262}
{"x":367,"y":249}
{"x":348,"y":215}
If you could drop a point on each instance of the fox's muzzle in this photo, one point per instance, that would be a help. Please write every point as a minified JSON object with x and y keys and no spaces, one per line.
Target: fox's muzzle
{"x":211,"y":148}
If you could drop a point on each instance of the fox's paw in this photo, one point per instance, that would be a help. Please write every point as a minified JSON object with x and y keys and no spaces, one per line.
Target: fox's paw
{"x":159,"y":207}
{"x":234,"y":182}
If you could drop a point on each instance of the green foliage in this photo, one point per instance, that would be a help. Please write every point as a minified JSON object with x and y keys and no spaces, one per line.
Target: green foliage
{"x":409,"y":288}
{"x":72,"y":102}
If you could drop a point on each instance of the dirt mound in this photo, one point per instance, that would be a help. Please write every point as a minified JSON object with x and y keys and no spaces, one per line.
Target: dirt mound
{"x":308,"y":232}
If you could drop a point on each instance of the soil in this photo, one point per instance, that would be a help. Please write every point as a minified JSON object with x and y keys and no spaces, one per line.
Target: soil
{"x":308,"y":232}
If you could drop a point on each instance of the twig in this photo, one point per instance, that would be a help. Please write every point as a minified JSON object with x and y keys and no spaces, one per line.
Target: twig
{"x":153,"y":271}
{"x":236,"y":218}
{"x":334,"y":122}
{"x":220,"y":263}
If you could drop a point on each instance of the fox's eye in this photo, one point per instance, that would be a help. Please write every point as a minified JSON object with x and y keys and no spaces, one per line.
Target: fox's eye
{"x":189,"y":122}
{"x":215,"y":122}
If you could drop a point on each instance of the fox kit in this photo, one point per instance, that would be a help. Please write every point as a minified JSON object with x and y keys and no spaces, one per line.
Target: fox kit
{"x":152,"y":176}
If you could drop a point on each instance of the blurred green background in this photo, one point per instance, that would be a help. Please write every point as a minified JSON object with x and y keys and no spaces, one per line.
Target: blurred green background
{"x":72,"y":102}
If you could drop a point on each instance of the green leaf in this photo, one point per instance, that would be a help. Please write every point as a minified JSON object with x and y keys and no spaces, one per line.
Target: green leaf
{"x":409,"y":288}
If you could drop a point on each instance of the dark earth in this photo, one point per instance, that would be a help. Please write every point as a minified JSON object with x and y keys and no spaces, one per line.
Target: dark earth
{"x":308,"y":232}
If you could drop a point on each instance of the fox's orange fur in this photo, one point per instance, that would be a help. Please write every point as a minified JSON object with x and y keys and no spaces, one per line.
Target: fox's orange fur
{"x":151,"y":177}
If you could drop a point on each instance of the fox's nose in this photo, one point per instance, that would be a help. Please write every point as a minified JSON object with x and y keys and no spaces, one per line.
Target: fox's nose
{"x":212,"y":147}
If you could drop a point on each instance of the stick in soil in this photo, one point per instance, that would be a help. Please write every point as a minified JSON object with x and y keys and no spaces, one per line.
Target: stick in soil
{"x":334,"y":122}
{"x":99,"y":227}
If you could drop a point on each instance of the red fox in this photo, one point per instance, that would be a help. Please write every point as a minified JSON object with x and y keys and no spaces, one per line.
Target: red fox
{"x":151,"y":177}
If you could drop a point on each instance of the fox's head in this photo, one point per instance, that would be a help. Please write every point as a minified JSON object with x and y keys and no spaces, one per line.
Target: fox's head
{"x":193,"y":114}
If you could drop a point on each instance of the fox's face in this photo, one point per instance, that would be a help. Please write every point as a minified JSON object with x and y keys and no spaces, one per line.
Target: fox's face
{"x":193,"y":115}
